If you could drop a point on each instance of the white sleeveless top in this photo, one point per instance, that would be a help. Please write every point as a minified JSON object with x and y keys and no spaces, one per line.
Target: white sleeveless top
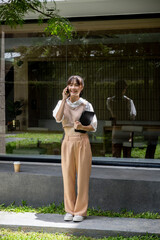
{"x":73,"y":111}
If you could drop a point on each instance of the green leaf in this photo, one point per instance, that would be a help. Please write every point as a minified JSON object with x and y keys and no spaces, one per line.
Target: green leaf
{"x":13,"y":13}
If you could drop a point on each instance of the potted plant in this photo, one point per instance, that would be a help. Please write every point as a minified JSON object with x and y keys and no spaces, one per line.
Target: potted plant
{"x":15,"y":109}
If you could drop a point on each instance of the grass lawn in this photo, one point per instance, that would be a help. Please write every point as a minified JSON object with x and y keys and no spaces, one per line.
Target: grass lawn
{"x":34,"y":140}
{"x":7,"y":234}
{"x":59,"y":209}
{"x":140,"y":153}
{"x":34,"y":137}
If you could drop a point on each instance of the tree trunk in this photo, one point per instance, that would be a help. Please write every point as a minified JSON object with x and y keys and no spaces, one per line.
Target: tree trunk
{"x":2,"y":96}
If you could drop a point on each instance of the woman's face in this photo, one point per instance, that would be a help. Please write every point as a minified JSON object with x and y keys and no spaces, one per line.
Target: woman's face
{"x":74,"y":88}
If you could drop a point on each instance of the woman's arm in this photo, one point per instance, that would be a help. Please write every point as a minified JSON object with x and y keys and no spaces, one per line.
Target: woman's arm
{"x":93,"y":125}
{"x":79,"y":126}
{"x":59,"y":113}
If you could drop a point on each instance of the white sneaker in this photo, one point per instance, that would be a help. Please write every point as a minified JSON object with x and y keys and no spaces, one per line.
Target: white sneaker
{"x":78,"y":218}
{"x":68,"y":217}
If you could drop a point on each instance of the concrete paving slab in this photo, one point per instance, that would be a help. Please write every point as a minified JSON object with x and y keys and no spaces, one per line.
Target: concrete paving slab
{"x":92,"y":226}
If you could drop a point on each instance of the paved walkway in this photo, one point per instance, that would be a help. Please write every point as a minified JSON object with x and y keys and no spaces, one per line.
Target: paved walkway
{"x":92,"y":226}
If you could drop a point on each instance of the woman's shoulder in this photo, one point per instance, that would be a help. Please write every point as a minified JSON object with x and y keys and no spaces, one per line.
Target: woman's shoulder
{"x":88,"y":105}
{"x":84,"y":101}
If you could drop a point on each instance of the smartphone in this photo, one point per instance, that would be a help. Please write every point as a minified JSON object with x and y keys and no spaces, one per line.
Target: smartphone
{"x":67,"y":91}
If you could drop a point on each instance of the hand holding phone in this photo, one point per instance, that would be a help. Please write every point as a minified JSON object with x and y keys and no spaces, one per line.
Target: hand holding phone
{"x":65,"y":93}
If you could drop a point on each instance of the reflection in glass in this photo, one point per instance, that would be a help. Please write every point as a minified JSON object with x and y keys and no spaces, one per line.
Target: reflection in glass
{"x":37,"y":68}
{"x":122,"y":109}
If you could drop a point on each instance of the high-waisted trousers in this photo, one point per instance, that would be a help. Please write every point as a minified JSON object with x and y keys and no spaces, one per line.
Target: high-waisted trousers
{"x":76,"y":161}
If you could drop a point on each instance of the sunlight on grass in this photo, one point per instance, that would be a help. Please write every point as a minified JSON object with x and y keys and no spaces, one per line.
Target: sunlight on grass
{"x":8,"y":234}
{"x":59,"y":209}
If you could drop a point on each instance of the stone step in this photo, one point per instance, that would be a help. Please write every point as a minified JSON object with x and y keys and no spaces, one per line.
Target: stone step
{"x":93,"y":226}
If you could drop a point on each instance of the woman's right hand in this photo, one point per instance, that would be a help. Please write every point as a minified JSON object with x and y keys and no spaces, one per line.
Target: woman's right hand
{"x":65,"y":93}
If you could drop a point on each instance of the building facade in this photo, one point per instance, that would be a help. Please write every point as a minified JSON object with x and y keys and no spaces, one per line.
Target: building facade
{"x":115,"y":40}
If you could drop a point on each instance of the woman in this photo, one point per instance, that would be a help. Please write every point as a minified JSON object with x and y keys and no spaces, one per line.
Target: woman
{"x":75,"y":150}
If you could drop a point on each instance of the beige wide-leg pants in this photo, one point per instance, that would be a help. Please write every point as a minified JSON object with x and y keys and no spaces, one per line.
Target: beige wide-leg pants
{"x":76,"y":159}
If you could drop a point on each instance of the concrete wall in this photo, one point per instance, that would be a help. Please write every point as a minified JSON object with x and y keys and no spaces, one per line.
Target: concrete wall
{"x":111,"y":188}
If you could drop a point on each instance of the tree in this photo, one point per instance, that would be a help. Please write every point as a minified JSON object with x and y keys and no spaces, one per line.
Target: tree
{"x":13,"y":12}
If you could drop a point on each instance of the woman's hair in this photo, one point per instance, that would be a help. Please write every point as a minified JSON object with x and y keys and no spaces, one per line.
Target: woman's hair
{"x":79,"y":80}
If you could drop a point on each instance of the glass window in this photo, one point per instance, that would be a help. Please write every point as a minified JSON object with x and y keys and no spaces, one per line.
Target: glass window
{"x":121,"y":71}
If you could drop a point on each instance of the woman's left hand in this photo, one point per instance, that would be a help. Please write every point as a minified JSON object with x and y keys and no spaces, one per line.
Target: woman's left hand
{"x":78,"y":125}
